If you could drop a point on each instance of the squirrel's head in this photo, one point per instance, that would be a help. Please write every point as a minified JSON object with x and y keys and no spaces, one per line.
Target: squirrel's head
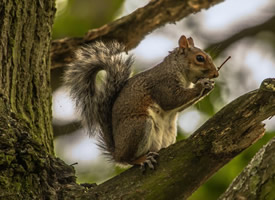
{"x":200,"y":64}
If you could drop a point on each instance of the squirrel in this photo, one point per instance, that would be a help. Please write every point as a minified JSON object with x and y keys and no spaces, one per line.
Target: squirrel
{"x":135,"y":117}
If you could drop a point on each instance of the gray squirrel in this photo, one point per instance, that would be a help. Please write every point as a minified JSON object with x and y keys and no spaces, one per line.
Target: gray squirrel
{"x":135,"y":117}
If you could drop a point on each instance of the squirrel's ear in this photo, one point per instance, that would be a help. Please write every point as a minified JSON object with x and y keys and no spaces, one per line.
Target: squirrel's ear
{"x":183,"y":42}
{"x":190,"y":42}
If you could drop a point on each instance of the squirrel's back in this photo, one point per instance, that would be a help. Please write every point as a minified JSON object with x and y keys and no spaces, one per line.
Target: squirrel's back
{"x":94,"y":102}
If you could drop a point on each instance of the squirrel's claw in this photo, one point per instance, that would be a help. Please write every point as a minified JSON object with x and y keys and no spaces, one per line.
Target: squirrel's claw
{"x":150,"y":161}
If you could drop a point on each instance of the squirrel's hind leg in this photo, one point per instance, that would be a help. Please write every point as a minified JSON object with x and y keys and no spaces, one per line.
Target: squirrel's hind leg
{"x":148,"y":159}
{"x":133,"y":140}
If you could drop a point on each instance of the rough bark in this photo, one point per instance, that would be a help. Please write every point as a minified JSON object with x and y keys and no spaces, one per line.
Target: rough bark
{"x":257,"y":180}
{"x":130,"y":29}
{"x":25,"y":76}
{"x":26,"y":138}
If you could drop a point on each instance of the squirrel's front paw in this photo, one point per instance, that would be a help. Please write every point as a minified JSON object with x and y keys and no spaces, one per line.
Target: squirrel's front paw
{"x":206,"y":83}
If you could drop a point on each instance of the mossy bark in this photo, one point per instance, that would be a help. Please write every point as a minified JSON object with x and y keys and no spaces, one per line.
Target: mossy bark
{"x":26,"y":138}
{"x":257,"y":180}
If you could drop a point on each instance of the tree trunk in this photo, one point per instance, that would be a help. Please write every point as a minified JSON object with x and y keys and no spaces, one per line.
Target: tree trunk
{"x":26,"y":138}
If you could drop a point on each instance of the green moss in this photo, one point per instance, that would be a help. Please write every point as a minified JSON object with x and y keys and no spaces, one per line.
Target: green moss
{"x":267,"y":191}
{"x":2,"y":158}
{"x":254,"y":183}
{"x":16,"y":183}
{"x":9,"y":159}
{"x":4,"y":181}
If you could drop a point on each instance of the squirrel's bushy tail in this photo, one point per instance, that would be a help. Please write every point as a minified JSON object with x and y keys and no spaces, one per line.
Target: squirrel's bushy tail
{"x":95,"y":103}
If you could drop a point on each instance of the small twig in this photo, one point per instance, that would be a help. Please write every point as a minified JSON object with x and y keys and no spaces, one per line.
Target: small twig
{"x":224,"y":63}
{"x":76,"y":163}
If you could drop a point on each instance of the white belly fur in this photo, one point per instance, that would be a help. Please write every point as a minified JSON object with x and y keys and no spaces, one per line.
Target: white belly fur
{"x":164,"y":128}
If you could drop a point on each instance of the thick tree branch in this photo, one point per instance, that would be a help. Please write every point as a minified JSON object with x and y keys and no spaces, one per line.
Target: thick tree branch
{"x":257,"y":180}
{"x":183,"y":167}
{"x":130,"y":29}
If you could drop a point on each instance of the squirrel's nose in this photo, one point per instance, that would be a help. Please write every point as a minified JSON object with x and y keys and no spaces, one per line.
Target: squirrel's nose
{"x":215,"y":74}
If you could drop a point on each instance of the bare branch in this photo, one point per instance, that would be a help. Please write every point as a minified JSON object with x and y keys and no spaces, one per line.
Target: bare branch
{"x":251,"y":31}
{"x":60,"y":130}
{"x":183,"y":167}
{"x":130,"y":29}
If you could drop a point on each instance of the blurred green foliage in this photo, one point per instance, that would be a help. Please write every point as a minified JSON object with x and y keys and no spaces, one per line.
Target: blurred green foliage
{"x":76,"y":17}
{"x":206,"y":105}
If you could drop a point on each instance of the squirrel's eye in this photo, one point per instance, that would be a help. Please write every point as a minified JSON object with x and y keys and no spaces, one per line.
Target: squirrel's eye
{"x":200,"y":58}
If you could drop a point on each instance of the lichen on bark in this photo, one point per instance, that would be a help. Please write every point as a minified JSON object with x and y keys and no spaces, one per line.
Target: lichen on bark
{"x":257,"y":180}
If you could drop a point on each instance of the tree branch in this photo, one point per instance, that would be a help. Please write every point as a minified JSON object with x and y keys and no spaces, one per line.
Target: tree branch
{"x":257,"y":180}
{"x":184,"y":166}
{"x":130,"y":29}
{"x":268,"y":25}
{"x":59,"y":129}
